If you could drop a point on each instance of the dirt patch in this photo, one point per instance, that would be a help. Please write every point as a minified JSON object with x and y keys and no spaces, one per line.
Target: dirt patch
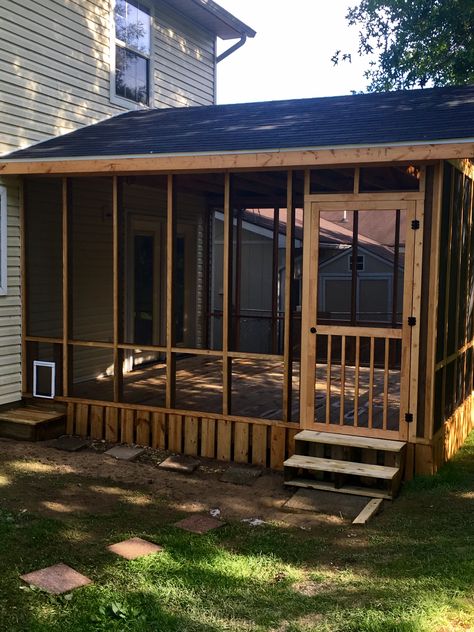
{"x":99,"y":484}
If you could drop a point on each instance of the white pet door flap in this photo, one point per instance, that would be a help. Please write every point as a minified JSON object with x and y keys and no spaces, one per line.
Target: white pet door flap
{"x":44,"y":379}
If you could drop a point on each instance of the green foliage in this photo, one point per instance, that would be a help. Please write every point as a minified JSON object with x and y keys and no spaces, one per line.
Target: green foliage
{"x":414,"y":43}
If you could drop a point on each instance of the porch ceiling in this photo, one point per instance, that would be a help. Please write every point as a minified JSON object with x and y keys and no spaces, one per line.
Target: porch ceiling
{"x":396,"y":126}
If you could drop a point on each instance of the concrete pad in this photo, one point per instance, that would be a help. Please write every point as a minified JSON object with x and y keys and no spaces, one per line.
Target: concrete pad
{"x":70,"y":444}
{"x":57,"y":579}
{"x":199,"y":524}
{"x":178,"y":463}
{"x":124,"y":452}
{"x":241,"y":475}
{"x":333,"y":503}
{"x":134,"y":547}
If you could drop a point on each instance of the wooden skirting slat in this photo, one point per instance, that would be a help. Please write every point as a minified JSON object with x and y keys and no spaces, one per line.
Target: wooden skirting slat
{"x":252,"y":442}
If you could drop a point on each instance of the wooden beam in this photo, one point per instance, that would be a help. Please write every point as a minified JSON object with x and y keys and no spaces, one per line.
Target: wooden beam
{"x":66,"y":286}
{"x":227,"y":300}
{"x":24,"y":294}
{"x":287,"y":329}
{"x":170,"y":243}
{"x":347,"y":156}
{"x":118,"y":353}
{"x":369,"y":511}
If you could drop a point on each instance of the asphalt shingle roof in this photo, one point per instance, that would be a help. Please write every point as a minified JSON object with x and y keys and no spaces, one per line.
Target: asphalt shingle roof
{"x":435,"y":114}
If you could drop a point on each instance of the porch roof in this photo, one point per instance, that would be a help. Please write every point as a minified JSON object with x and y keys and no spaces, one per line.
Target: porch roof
{"x":434,"y":117}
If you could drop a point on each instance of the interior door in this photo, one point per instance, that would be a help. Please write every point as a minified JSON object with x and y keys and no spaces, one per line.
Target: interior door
{"x":357,"y":298}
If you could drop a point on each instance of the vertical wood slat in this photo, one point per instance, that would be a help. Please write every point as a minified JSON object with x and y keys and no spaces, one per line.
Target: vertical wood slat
{"x":118,"y":364}
{"x":127,"y":426}
{"x":259,"y":445}
{"x":208,"y":438}
{"x":226,"y":307}
{"x":290,"y":441}
{"x":385,"y":382}
{"x":175,"y":433}
{"x":65,"y":284}
{"x":191,"y":434}
{"x":170,"y":358}
{"x":70,"y":419}
{"x":224,"y":440}
{"x":111,"y":424}
{"x":143,"y":428}
{"x":343,"y":380}
{"x":241,"y":442}
{"x":82,"y":420}
{"x":158,"y":430}
{"x":356,"y":381}
{"x":287,"y":327}
{"x":97,"y":422}
{"x":328,"y":380}
{"x":277,"y":447}
{"x":371,"y":381}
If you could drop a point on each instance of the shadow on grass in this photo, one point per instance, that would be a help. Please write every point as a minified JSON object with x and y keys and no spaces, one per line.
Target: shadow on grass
{"x":411,"y":570}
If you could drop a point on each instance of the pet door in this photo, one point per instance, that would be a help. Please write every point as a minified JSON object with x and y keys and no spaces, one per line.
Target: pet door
{"x":44,"y":379}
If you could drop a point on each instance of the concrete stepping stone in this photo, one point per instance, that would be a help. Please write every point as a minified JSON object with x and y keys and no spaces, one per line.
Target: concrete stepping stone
{"x":124,"y":452}
{"x":134,"y":547}
{"x":57,"y":579}
{"x":70,"y":444}
{"x":199,"y":524}
{"x":241,"y":475}
{"x":179,"y":463}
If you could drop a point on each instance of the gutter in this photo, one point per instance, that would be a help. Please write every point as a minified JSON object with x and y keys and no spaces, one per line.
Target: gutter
{"x":232,"y":49}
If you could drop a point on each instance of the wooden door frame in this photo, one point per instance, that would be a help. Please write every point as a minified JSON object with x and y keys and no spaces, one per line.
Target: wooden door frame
{"x":413,"y":204}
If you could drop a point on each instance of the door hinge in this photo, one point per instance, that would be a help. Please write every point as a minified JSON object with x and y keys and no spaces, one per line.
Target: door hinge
{"x":409,"y":418}
{"x":415,"y":224}
{"x":412,"y":321}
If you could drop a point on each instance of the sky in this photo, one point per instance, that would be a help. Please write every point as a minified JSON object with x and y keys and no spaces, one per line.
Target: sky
{"x":290,"y":57}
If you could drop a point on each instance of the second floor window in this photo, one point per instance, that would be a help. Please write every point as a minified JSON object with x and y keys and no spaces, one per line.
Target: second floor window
{"x":132,"y":51}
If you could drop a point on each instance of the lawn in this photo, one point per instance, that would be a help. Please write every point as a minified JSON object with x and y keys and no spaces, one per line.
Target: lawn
{"x":411,"y":569}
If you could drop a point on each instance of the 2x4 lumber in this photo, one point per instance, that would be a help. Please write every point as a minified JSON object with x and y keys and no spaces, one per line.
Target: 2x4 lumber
{"x":353,"y":441}
{"x":224,"y":441}
{"x":345,"y":489}
{"x":158,"y":430}
{"x":259,"y":445}
{"x":241,"y":443}
{"x":255,"y":160}
{"x":369,"y":511}
{"x":227,"y":303}
{"x":118,"y":354}
{"x":170,"y":242}
{"x":128,"y":426}
{"x":191,"y":434}
{"x":97,"y":422}
{"x":208,"y":438}
{"x":287,"y":328}
{"x":24,"y":295}
{"x":65,"y":285}
{"x":341,"y":467}
{"x":175,"y":433}
{"x":143,"y":428}
{"x":277,"y":447}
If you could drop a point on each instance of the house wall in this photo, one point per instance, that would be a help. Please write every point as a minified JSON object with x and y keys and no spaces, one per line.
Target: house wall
{"x":10,"y":304}
{"x":55,"y":66}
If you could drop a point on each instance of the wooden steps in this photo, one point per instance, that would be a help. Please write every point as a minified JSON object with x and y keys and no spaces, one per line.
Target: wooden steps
{"x":32,"y":422}
{"x":349,"y":464}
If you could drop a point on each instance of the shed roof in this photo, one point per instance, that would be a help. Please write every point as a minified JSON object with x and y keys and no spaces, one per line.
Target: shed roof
{"x":434,"y":115}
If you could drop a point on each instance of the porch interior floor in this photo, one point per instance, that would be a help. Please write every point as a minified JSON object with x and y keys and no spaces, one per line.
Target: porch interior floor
{"x":257,"y":388}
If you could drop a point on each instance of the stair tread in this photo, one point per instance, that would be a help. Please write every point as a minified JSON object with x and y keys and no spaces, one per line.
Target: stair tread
{"x":341,"y":467}
{"x":355,"y":441}
{"x":345,"y":489}
{"x":29,"y":417}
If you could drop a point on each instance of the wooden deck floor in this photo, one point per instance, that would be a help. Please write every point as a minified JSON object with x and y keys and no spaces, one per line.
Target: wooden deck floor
{"x":257,"y":388}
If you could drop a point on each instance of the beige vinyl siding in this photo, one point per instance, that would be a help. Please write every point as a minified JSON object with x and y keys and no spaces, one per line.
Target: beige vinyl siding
{"x":10,"y":305}
{"x":55,"y":66}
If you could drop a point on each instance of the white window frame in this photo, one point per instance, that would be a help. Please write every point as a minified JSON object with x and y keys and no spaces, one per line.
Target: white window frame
{"x":116,"y":99}
{"x":362,"y":261}
{"x":3,"y":240}
{"x":52,"y":366}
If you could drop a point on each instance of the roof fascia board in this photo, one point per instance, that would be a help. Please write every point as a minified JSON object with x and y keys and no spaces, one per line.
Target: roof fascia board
{"x":215,"y":161}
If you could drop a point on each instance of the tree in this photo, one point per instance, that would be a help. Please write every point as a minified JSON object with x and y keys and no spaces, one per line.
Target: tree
{"x":414,"y":43}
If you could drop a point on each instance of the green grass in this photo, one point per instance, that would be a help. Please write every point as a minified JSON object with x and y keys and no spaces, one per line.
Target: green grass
{"x":410,"y":570}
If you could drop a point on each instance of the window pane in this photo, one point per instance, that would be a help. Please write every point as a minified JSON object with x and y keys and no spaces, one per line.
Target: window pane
{"x":131,"y":76}
{"x":132,"y":25}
